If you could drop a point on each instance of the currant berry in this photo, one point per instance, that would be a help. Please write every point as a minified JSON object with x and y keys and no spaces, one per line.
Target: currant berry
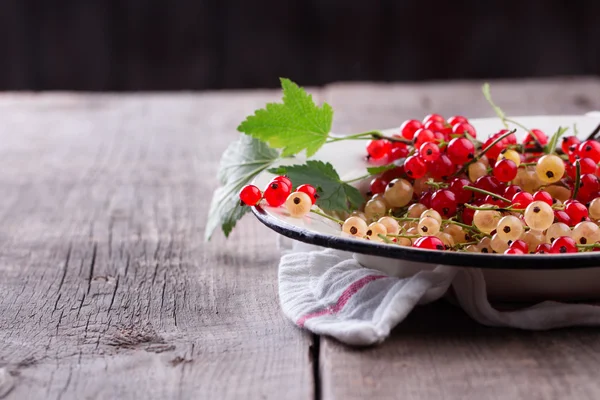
{"x":298,"y":204}
{"x":533,"y":239}
{"x":409,"y":127}
{"x":433,"y":117}
{"x":446,"y":239}
{"x":375,"y":209}
{"x":457,"y":119}
{"x":284,"y":179}
{"x":442,"y":168}
{"x":513,"y":250}
{"x":377,"y":149}
{"x":398,"y":193}
{"x":594,"y":209}
{"x":391,"y":225}
{"x":276,"y":193}
{"x":310,"y":191}
{"x":541,"y":137}
{"x":457,"y":186}
{"x":460,"y":150}
{"x":466,"y":216}
{"x":550,"y":168}
{"x":539,"y":215}
{"x":428,"y":226}
{"x":486,"y":220}
{"x":415,"y":210}
{"x":561,"y":216}
{"x":521,"y":200}
{"x":509,"y":228}
{"x":415,"y":167}
{"x":488,"y":183}
{"x":429,"y":152}
{"x":431,"y":213}
{"x":491,"y":200}
{"x":497,"y":244}
{"x":444,"y":202}
{"x":576,"y":211}
{"x":435,"y":126}
{"x":591,"y":149}
{"x":250,"y":195}
{"x":569,"y":144}
{"x":425,"y":198}
{"x":586,"y":233}
{"x":511,"y":190}
{"x":377,"y":186}
{"x":544,"y":196}
{"x":457,"y":232}
{"x":476,"y":171}
{"x":505,"y":170}
{"x":391,"y":174}
{"x":510,"y":154}
{"x":374,"y":230}
{"x":399,"y":150}
{"x":521,"y":245}
{"x":423,"y":136}
{"x":543,"y":248}
{"x":429,"y":243}
{"x":355,"y":226}
{"x":485,"y":245}
{"x":464,"y":128}
{"x":564,"y":244}
{"x":557,"y":230}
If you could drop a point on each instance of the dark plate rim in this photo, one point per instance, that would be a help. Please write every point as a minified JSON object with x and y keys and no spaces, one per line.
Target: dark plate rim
{"x":491,"y":261}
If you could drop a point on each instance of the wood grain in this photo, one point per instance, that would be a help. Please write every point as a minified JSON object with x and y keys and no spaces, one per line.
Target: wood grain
{"x":108,"y":290}
{"x":438,"y":352}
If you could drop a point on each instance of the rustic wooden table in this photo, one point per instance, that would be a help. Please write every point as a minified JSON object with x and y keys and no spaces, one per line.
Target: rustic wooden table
{"x":108,"y":290}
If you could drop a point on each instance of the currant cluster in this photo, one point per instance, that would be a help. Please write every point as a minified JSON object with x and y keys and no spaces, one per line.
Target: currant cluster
{"x":280,"y":192}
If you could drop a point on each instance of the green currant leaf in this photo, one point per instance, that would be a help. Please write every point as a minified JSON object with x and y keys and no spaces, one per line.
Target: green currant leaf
{"x":297,"y":124}
{"x":240,"y":163}
{"x":553,"y":142}
{"x":334,"y":194}
{"x":380,"y":169}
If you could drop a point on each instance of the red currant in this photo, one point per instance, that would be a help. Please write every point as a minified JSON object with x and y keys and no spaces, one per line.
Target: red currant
{"x":569,"y":144}
{"x":561,"y":216}
{"x":433,"y":117}
{"x":394,"y":173}
{"x":494,"y":151}
{"x":423,"y":136}
{"x":460,"y":150}
{"x":399,"y":150}
{"x":430,"y":243}
{"x":409,"y":127}
{"x":494,"y":201}
{"x":379,"y":148}
{"x":425,"y":198}
{"x":564,"y":244}
{"x":442,"y":168}
{"x":284,"y":179}
{"x":378,"y":186}
{"x":577,"y":211}
{"x":467,"y":215}
{"x":542,"y":195}
{"x":311,"y":192}
{"x":457,"y":187}
{"x":522,"y":200}
{"x":511,"y":190}
{"x":415,"y":167}
{"x":542,"y":138}
{"x":513,"y":250}
{"x":276,"y":193}
{"x":457,"y":119}
{"x":250,"y":195}
{"x":521,"y":245}
{"x":489,"y":183}
{"x":505,"y":170}
{"x":444,"y":202}
{"x":543,"y":248}
{"x":429,"y":151}
{"x":464,"y":127}
{"x":591,"y":149}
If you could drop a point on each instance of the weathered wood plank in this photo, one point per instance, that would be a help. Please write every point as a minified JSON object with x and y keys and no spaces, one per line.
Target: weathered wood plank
{"x":439,"y":352}
{"x":108,"y":290}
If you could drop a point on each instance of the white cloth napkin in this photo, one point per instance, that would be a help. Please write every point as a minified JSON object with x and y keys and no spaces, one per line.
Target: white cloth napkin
{"x":329,"y":293}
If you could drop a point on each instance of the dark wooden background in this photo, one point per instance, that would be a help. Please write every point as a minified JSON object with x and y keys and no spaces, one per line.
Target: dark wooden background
{"x":119,"y":45}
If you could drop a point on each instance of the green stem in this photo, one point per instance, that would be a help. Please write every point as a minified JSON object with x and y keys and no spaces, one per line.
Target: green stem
{"x":577,"y":179}
{"x":483,"y":151}
{"x":329,"y":217}
{"x":385,"y":238}
{"x":405,"y":219}
{"x":465,"y":226}
{"x":527,"y":164}
{"x":360,"y":178}
{"x":494,"y":195}
{"x":404,"y":236}
{"x":589,"y":246}
{"x":350,"y":137}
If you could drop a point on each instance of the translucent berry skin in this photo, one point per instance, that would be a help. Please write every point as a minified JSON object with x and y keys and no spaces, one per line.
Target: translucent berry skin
{"x":377,"y":186}
{"x":561,"y":216}
{"x":310,"y":191}
{"x":543,"y":248}
{"x":542,"y":138}
{"x":444,"y":202}
{"x":539,"y":216}
{"x":415,"y":167}
{"x":457,"y":187}
{"x":464,"y":127}
{"x":429,"y":152}
{"x":423,"y":136}
{"x":409,"y":127}
{"x":563,"y":244}
{"x":377,"y":149}
{"x":488,"y":183}
{"x":521,"y":245}
{"x":460,"y":150}
{"x":457,"y":119}
{"x":577,"y":211}
{"x":505,"y":170}
{"x":442,"y":168}
{"x":511,"y":190}
{"x":284,"y":179}
{"x":514,"y":250}
{"x":391,"y":174}
{"x":591,"y":149}
{"x":569,"y":144}
{"x":433,"y":117}
{"x":298,"y":204}
{"x":544,"y":196}
{"x":425,"y":198}
{"x":250,"y":195}
{"x":494,"y":151}
{"x":467,"y":215}
{"x":550,"y":168}
{"x":429,"y":242}
{"x":276,"y":193}
{"x":399,"y":150}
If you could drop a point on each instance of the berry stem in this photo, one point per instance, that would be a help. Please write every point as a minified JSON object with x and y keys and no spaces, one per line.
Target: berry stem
{"x":588,"y":246}
{"x":360,"y":178}
{"x":494,"y":195}
{"x":329,"y":217}
{"x":436,"y":185}
{"x":406,"y":219}
{"x":379,"y":135}
{"x":527,"y":164}
{"x":404,"y":236}
{"x":465,"y":226}
{"x":357,"y":136}
{"x":385,"y":238}
{"x":577,"y":179}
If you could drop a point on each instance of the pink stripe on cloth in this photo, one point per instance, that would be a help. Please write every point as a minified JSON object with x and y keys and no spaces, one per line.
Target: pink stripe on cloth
{"x":344,"y":298}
